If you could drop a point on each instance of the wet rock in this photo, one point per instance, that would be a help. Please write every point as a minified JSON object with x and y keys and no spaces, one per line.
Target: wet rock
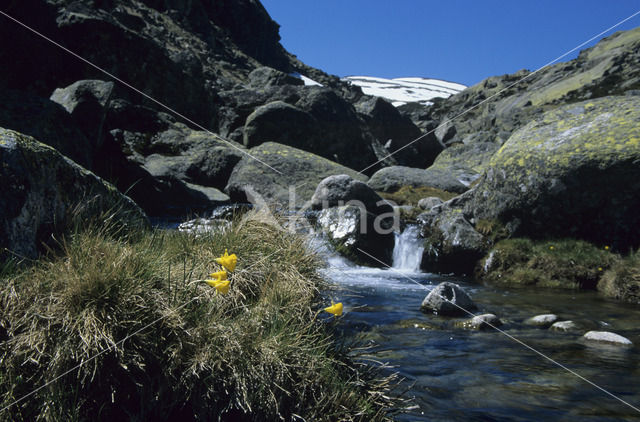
{"x":564,"y":326}
{"x":452,"y":245}
{"x":543,"y":321}
{"x":448,"y":299}
{"x":205,"y":225}
{"x":354,"y":235}
{"x":607,"y":338}
{"x":480,"y":322}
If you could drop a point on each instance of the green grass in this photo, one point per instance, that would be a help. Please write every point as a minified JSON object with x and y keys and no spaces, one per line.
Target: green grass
{"x":568,"y":263}
{"x":622,"y":281}
{"x":261,"y":352}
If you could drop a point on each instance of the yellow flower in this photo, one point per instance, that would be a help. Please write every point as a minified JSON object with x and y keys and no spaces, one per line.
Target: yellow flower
{"x":606,"y":248}
{"x":599,"y":268}
{"x":223,"y":286}
{"x":551,"y":247}
{"x":228,"y":261}
{"x":335,"y":309}
{"x":219,"y":275}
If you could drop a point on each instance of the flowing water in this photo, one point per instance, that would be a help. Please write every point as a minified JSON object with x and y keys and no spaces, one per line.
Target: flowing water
{"x":458,"y":375}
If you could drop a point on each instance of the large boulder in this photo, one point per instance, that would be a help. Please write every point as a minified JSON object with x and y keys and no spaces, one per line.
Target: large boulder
{"x":42,"y":188}
{"x":357,"y":235}
{"x":343,"y":189}
{"x":448,"y":299}
{"x":452,"y":244}
{"x":87,"y":101}
{"x":280,"y":122}
{"x":356,"y":219}
{"x":271,"y":169}
{"x":572,"y":173}
{"x":390,"y":179}
{"x":46,"y":121}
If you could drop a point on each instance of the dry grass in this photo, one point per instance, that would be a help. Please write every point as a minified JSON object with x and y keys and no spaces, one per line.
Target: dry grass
{"x":258,"y":353}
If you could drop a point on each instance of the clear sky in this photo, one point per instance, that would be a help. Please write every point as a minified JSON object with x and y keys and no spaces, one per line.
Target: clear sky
{"x":461,"y":41}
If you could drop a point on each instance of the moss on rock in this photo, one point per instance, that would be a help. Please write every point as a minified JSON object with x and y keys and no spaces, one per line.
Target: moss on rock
{"x":571,"y":173}
{"x":568,"y":264}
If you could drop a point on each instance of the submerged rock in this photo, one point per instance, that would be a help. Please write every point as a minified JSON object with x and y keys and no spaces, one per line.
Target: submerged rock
{"x":564,"y":326}
{"x":448,"y":299}
{"x":544,"y":320}
{"x":607,"y":337}
{"x":481,"y":322}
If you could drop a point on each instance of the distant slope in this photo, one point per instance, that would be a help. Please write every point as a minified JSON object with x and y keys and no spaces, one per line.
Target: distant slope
{"x":405,"y":90}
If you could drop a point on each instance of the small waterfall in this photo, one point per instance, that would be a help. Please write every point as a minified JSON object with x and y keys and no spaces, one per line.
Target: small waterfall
{"x":407,"y":252}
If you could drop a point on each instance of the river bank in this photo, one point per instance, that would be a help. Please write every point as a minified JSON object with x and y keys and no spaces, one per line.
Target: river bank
{"x":453,"y":374}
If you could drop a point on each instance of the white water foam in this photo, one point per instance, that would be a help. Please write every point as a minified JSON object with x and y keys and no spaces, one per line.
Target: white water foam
{"x":407,"y":252}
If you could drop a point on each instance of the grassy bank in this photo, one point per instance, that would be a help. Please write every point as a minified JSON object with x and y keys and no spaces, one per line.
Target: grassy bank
{"x":260,"y":352}
{"x":565,"y":263}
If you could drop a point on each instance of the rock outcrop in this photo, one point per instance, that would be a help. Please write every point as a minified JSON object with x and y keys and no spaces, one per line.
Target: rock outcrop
{"x":42,"y":191}
{"x":390,"y":179}
{"x":280,"y":168}
{"x":358,"y":222}
{"x":571,"y":173}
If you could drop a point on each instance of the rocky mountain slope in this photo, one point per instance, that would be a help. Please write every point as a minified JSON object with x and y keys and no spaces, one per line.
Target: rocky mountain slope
{"x":218,"y":63}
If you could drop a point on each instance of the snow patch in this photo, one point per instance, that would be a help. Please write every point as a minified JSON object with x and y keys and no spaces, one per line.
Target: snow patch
{"x":307,"y":81}
{"x":400,"y":91}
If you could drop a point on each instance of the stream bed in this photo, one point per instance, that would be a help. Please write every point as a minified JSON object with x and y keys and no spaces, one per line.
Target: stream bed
{"x":454,"y":374}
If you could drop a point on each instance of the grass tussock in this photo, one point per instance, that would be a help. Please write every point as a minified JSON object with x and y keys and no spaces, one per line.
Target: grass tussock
{"x":622,"y":281}
{"x":569,"y":263}
{"x":261,"y":352}
{"x":409,"y":195}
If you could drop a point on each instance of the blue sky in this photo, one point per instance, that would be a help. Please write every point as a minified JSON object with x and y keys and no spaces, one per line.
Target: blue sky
{"x":460,"y":41}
